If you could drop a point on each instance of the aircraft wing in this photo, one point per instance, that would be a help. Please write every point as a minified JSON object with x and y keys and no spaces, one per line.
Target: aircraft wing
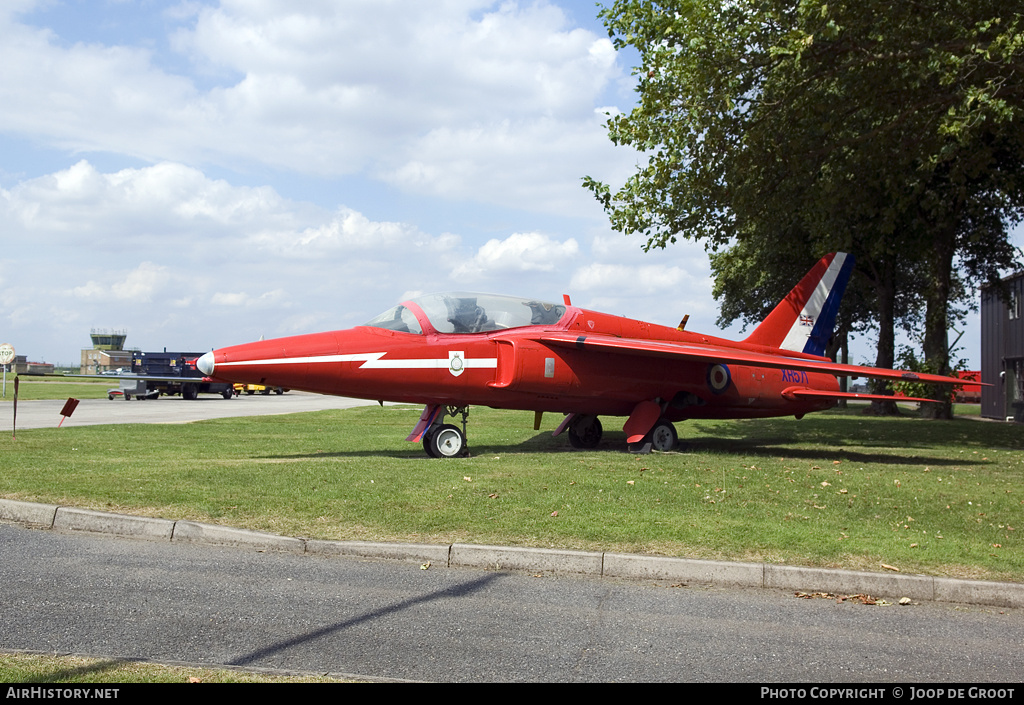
{"x":114,"y":378}
{"x":719,"y":354}
{"x":803,"y":392}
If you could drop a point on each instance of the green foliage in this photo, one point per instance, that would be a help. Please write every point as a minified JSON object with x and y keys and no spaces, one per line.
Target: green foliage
{"x":892,"y":131}
{"x":908,"y":358}
{"x":847,"y":106}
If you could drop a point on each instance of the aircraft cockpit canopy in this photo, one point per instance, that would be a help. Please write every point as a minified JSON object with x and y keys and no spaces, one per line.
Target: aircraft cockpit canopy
{"x":467,"y":313}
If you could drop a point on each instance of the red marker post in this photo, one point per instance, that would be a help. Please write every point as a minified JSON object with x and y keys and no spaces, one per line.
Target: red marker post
{"x":69,"y":408}
{"x":14,"y":424}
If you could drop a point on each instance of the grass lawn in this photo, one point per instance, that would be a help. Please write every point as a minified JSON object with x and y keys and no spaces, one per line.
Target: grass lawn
{"x":37,"y":669}
{"x":33,"y":387}
{"x":836,"y":489}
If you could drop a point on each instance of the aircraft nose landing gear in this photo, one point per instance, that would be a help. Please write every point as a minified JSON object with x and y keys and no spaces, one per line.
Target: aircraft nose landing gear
{"x":445,"y":440}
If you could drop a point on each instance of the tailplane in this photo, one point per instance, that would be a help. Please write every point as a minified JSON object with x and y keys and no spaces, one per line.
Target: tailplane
{"x":805,"y":319}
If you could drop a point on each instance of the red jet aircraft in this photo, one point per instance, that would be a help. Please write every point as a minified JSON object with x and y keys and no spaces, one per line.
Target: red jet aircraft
{"x":450,"y":351}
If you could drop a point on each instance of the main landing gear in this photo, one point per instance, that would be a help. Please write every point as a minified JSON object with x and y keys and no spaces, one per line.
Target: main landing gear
{"x":585,"y":433}
{"x":662,"y":438}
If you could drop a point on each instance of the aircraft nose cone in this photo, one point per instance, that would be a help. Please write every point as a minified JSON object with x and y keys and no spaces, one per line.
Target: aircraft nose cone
{"x":205,"y":364}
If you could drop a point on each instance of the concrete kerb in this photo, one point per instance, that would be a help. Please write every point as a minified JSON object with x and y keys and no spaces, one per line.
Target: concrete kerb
{"x":597,"y":564}
{"x":28,"y":513}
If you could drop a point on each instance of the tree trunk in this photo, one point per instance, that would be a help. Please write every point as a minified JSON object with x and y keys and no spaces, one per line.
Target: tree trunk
{"x":886,"y":355}
{"x":936,"y":340}
{"x":838,"y":350}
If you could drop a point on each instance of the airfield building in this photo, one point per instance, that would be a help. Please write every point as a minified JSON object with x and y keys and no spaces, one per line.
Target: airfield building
{"x":107,"y":352}
{"x":1002,"y":350}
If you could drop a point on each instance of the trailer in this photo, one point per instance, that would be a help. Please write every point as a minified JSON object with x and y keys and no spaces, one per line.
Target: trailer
{"x":257,"y":389}
{"x":156,"y":374}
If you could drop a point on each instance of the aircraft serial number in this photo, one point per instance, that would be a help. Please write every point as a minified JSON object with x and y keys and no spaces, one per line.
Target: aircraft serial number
{"x":794,"y":376}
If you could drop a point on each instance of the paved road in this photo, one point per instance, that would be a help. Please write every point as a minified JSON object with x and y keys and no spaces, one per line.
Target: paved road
{"x":118,"y":597}
{"x":46,"y":413}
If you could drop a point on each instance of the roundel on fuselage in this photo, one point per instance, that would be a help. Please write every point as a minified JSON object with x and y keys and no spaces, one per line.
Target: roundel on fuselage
{"x":718,"y":378}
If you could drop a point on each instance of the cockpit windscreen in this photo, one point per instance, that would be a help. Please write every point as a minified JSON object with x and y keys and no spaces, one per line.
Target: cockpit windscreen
{"x":469,"y":313}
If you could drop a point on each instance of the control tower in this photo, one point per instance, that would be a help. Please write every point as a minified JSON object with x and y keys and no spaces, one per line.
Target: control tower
{"x":108,"y":339}
{"x":107,"y":352}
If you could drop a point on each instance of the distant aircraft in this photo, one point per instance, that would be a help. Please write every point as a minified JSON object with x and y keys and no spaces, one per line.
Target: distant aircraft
{"x":450,"y":351}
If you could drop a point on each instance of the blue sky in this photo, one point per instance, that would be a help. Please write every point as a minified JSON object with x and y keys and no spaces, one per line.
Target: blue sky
{"x":203,"y":173}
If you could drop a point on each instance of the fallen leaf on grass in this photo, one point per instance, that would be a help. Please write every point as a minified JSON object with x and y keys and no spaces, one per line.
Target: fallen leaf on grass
{"x":890,"y":567}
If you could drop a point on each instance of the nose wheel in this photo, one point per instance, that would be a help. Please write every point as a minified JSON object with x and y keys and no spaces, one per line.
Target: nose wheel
{"x":447,"y":440}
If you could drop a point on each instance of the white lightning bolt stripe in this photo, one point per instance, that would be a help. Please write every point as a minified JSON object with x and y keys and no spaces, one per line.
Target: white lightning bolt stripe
{"x":370,"y":361}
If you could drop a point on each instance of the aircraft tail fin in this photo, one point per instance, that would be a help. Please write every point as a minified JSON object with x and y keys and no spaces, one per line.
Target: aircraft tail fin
{"x":805,"y":320}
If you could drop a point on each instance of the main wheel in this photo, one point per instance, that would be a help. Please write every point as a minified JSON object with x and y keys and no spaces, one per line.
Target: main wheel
{"x":228,"y":393}
{"x":445,"y":442}
{"x":586,"y":432}
{"x":663,"y":436}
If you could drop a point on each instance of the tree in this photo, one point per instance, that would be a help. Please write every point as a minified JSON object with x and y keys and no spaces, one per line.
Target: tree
{"x":893,"y":131}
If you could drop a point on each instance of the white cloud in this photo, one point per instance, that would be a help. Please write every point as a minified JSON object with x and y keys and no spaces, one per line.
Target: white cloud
{"x":183,"y":256}
{"x":242,"y":299}
{"x":648,"y":279}
{"x":117,"y":209}
{"x":462,"y":99}
{"x":519,"y":252}
{"x":348,"y":232}
{"x":138,"y":285}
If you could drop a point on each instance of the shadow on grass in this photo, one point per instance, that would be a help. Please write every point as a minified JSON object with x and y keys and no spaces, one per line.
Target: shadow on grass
{"x":857,"y":438}
{"x":741,"y":448}
{"x":774,"y":448}
{"x":66,"y":674}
